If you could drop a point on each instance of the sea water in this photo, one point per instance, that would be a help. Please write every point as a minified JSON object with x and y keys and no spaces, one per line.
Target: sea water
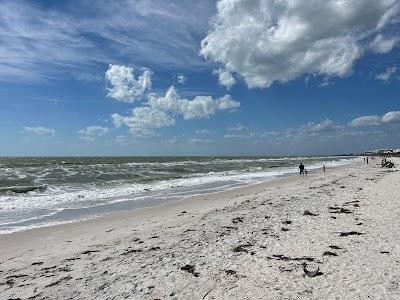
{"x":41,"y":191}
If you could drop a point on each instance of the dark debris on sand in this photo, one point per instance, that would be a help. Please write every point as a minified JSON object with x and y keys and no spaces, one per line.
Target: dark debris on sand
{"x":237,"y":220}
{"x":350,"y":233}
{"x":190,"y":269}
{"x":335,"y":247}
{"x":329,"y":253}
{"x":90,"y":251}
{"x":339,"y":210}
{"x":230,"y":272}
{"x":287,"y":258}
{"x":242,"y":248}
{"x":308,"y":213}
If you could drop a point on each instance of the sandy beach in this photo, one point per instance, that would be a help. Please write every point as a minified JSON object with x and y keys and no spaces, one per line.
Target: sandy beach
{"x":249,"y":243}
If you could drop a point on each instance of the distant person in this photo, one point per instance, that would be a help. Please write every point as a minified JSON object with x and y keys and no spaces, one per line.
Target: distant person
{"x":301,"y":168}
{"x":323,"y":168}
{"x":367,"y":160}
{"x":364,"y":159}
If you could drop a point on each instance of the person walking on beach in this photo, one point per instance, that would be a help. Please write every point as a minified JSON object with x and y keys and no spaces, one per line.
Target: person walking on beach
{"x":367,"y":160}
{"x":301,"y":167}
{"x":323,"y":167}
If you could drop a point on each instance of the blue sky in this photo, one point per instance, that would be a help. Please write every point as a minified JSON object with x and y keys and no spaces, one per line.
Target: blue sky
{"x":215,"y":77}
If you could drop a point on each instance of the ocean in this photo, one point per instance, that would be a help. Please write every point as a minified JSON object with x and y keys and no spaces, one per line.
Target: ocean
{"x":42,"y":191}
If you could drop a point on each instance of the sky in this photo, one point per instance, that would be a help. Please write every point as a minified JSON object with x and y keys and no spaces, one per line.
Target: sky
{"x":227,"y":77}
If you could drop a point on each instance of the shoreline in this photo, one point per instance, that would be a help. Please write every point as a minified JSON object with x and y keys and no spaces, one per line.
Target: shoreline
{"x":111,"y":218}
{"x":131,"y":205}
{"x":248,"y":243}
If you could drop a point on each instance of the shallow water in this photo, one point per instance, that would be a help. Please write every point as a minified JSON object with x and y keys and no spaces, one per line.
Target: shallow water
{"x":42,"y":191}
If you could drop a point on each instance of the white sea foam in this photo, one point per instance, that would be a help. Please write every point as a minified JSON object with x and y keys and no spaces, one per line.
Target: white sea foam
{"x":56,"y":197}
{"x":63,"y":196}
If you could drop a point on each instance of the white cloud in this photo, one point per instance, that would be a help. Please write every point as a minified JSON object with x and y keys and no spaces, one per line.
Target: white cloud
{"x":143,"y":121}
{"x":197,"y":108}
{"x":225,"y":78}
{"x":381,"y":45}
{"x":181,"y":78}
{"x":266,"y":41}
{"x":241,"y":132}
{"x":91,"y":132}
{"x":387,"y":74}
{"x":203,"y":131}
{"x":226,"y":102}
{"x":200,"y":141}
{"x":41,"y":131}
{"x":237,"y":127}
{"x":124,"y":86}
{"x":324,"y":130}
{"x":316,"y":134}
{"x":391,"y":116}
{"x":366,"y":121}
{"x":325,"y":125}
{"x":239,"y":136}
{"x":311,"y":129}
{"x":161,"y":111}
{"x":204,"y":107}
{"x":42,"y":42}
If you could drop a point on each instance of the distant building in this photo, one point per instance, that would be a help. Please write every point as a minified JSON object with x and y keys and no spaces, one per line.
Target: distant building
{"x":383,"y":152}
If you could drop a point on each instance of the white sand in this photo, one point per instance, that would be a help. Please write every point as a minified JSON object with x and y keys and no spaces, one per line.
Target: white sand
{"x":139,"y":254}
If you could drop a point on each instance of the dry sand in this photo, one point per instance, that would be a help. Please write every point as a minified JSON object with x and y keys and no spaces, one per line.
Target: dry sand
{"x":249,"y":243}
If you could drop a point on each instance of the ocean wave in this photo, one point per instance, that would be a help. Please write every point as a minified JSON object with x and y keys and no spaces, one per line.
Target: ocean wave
{"x":31,"y":202}
{"x":66,"y":196}
{"x":22,"y":189}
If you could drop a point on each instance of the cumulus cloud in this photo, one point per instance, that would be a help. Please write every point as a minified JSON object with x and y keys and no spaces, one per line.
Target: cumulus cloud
{"x":124,"y":86}
{"x":391,"y":116}
{"x":386,"y":75}
{"x":322,"y":133}
{"x":366,"y":121}
{"x":382,"y":45}
{"x":40,"y":131}
{"x":158,"y":111}
{"x":91,"y":132}
{"x":325,"y":125}
{"x":197,"y":108}
{"x":143,"y":121}
{"x":181,"y":78}
{"x":161,"y":111}
{"x":266,"y":41}
{"x":225,"y":78}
